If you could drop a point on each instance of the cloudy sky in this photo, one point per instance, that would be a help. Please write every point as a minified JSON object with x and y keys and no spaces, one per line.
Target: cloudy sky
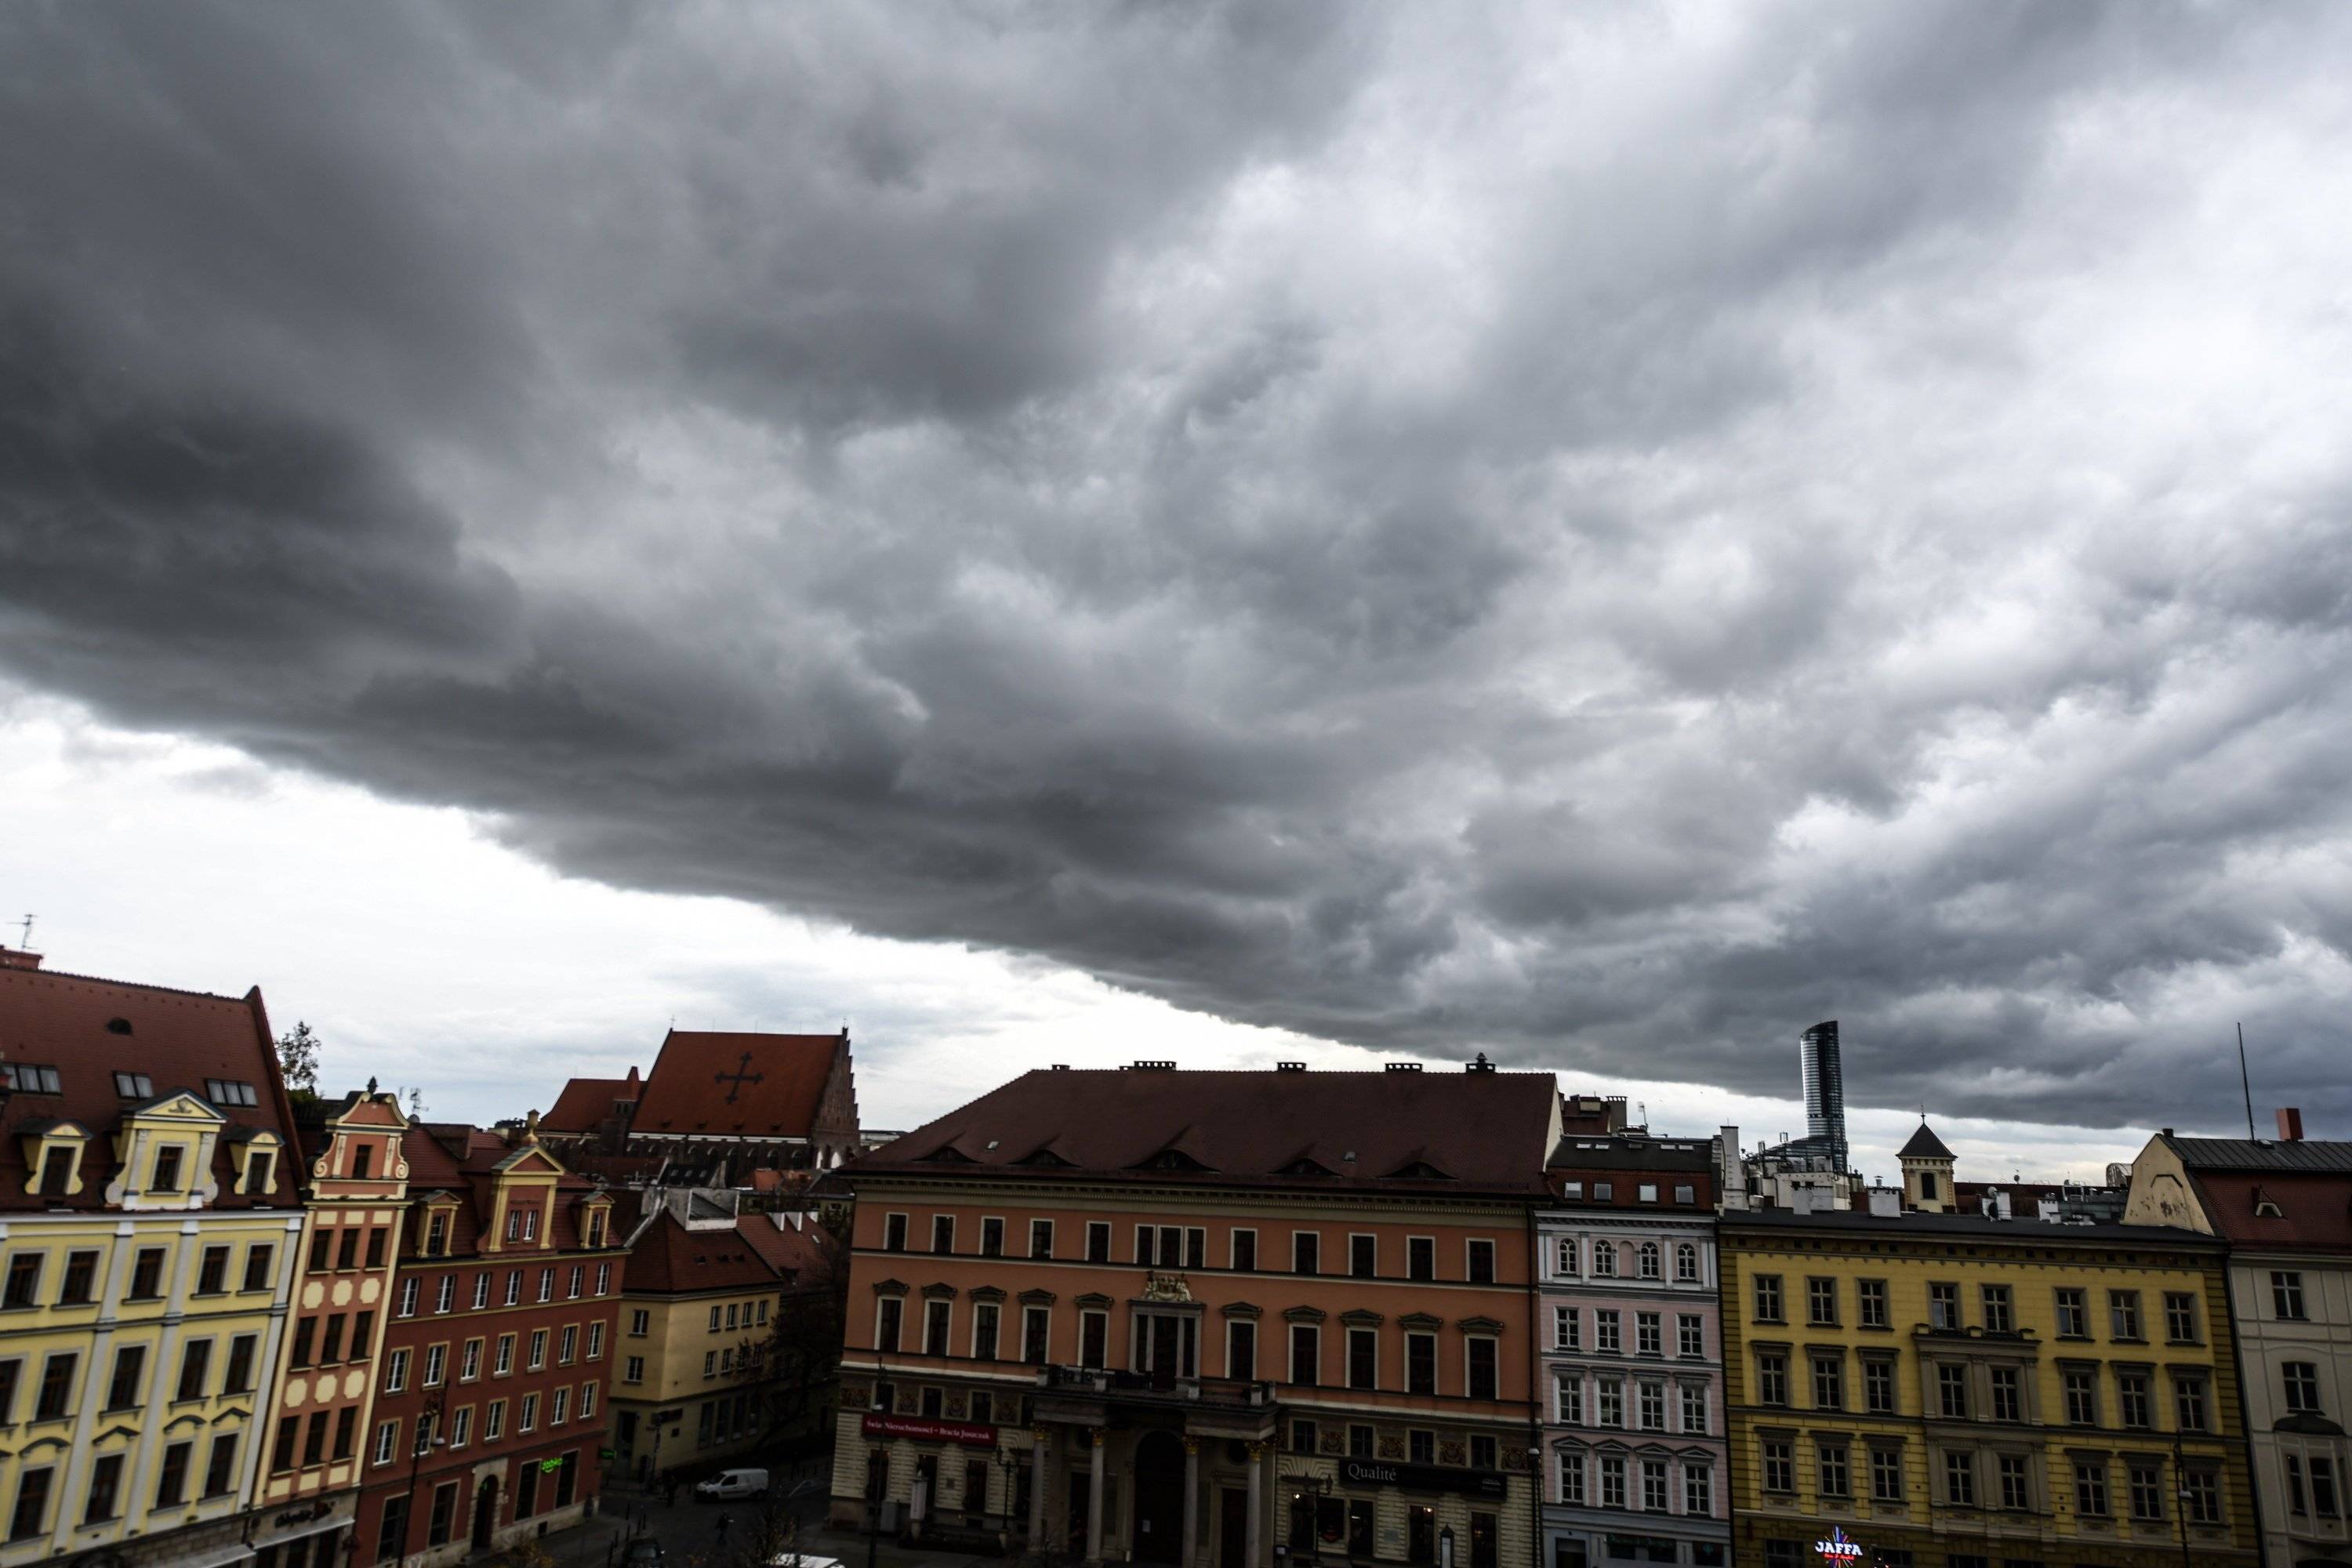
{"x":1603,"y":536}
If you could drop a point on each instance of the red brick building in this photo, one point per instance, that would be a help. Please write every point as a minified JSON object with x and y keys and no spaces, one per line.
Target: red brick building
{"x":491,"y":1380}
{"x":717,"y":1106}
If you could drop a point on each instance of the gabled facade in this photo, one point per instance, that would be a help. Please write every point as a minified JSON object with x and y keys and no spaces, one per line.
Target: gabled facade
{"x":720,"y":1105}
{"x":355,"y":1181}
{"x":1190,"y":1317}
{"x":2285,"y":1206}
{"x":1632,"y":1352}
{"x":148,"y":1221}
{"x":491,"y":1376}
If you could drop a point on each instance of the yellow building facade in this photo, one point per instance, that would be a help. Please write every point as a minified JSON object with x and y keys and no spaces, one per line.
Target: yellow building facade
{"x":148,"y":1222}
{"x":1947,"y":1390}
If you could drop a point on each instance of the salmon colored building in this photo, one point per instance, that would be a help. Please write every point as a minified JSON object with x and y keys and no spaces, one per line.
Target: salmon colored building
{"x":1191,"y":1317}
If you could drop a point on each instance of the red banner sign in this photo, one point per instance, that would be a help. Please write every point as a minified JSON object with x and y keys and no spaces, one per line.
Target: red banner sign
{"x":925,"y":1430}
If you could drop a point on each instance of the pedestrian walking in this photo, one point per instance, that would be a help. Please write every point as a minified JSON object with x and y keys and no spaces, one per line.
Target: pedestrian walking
{"x":722,"y":1529}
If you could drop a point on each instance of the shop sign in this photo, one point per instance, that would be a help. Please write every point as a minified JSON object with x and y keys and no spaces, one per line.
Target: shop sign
{"x":1423,"y":1477}
{"x":1838,"y":1548}
{"x":925,"y":1430}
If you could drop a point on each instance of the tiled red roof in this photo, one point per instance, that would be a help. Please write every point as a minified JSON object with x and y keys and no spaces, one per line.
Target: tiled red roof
{"x":776,"y":1080}
{"x":806,"y":1251}
{"x":179,"y":1039}
{"x":1474,"y":1131}
{"x":2314,"y":1209}
{"x":585,"y":1104}
{"x":670,"y":1258}
{"x":455,"y":1158}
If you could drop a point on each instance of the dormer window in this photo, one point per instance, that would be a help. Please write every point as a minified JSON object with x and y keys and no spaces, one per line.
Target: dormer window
{"x":167,"y":1169}
{"x":29,"y":1078}
{"x":595,"y":1228}
{"x":135,"y":1085}
{"x":57,"y":1165}
{"x":363,"y":1161}
{"x":437,"y":1234}
{"x":230,"y":1091}
{"x":260,"y":1169}
{"x":531,"y":1225}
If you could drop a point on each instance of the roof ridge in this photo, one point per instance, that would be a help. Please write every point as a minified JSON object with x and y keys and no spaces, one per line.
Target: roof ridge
{"x":126,"y":985}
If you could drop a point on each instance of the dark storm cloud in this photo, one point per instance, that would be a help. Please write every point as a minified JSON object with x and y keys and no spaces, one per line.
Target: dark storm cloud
{"x":1603,"y":538}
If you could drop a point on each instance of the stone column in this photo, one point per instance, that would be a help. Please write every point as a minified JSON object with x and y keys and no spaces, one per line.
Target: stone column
{"x":1093,"y":1501}
{"x":1037,"y":1445}
{"x":1192,"y":1500}
{"x":1255,"y":1551}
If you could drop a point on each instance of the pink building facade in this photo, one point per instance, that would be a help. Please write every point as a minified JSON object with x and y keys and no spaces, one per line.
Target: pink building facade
{"x":1630,"y":1348}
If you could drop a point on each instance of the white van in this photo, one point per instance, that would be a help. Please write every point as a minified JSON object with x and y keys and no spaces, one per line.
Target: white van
{"x":729,"y":1485}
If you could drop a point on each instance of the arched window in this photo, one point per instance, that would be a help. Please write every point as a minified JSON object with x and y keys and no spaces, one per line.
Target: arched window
{"x":1650,"y":1260}
{"x":1564,"y":1258}
{"x":1687,"y":1263}
{"x":1604,"y":1261}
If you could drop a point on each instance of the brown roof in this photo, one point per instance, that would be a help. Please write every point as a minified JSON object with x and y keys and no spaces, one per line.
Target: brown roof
{"x":585,"y":1104}
{"x":1482,"y":1130}
{"x":454,"y":1157}
{"x":670,"y":1258}
{"x":776,"y":1081}
{"x":76,"y":1024}
{"x":805,"y":1250}
{"x":2314,"y":1208}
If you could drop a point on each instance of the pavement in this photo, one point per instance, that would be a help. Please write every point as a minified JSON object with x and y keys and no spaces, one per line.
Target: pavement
{"x":689,"y":1533}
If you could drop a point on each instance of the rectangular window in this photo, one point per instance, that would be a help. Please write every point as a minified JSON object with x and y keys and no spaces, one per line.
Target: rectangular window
{"x":195,"y":1360}
{"x":2179,"y":1318}
{"x":2016,"y":1487}
{"x":991,"y":1236}
{"x":984,"y":1329}
{"x":147,"y":1274}
{"x":894,"y":1232}
{"x":82,"y":1274}
{"x":1690,"y":1336}
{"x":1483,"y":1380}
{"x":1960,"y":1479}
{"x":167,"y":1168}
{"x":461,"y":1426}
{"x":1563,"y":1328}
{"x":1035,"y":1323}
{"x":494,"y":1421}
{"x":1821,"y":1302}
{"x":2200,"y":1496}
{"x":314,"y":1444}
{"x":220,"y":1467}
{"x":890,"y":1312}
{"x":257,"y":1261}
{"x":1885,"y":1474}
{"x":1607,"y":1330}
{"x":1363,"y":1256}
{"x":1653,"y":1485}
{"x":527,"y":1414}
{"x":2000,"y":1314}
{"x":23,"y":1288}
{"x":1772,"y":1377}
{"x":2189,"y":1402}
{"x":1608,"y":1402}
{"x":1878,"y":1387}
{"x":502,"y":1356}
{"x":943,"y":1233}
{"x":1650,"y":1407}
{"x":633,"y":1370}
{"x":1831,"y":1471}
{"x":105,"y":1484}
{"x":1241,"y":1350}
{"x":332,"y":1349}
{"x":2135,"y":1405}
{"x":1649,"y":1335}
{"x":1694,"y":1407}
{"x":387,"y":1442}
{"x":1420,"y":1257}
{"x":242,"y":1351}
{"x":936,"y":1328}
{"x":1779,"y":1466}
{"x":1829,"y":1383}
{"x":1612,"y":1481}
{"x":1363,"y":1358}
{"x":1698,"y":1486}
{"x":1870,"y":1303}
{"x":436,"y":1361}
{"x":1420,"y":1363}
{"x":1305,"y":1249}
{"x":1482,"y":1263}
{"x":123,"y":1389}
{"x":2323,"y":1487}
{"x":395,"y":1370}
{"x":2081,"y":1387}
{"x":1094,"y":1338}
{"x":1041,"y":1238}
{"x":1245,"y":1251}
{"x":2123,"y":1314}
{"x":56,"y":1385}
{"x":2286,"y":1295}
{"x":1305,"y":1354}
{"x":1302,"y":1436}
{"x":2091,"y":1489}
{"x":2008,"y":1397}
{"x":1952,"y":1390}
{"x":470,"y":1362}
{"x":1572,"y":1477}
{"x":2147,"y":1491}
{"x":1943,"y":1306}
{"x":32,"y":1505}
{"x":2299,"y":1381}
{"x":1768,"y":1299}
{"x":1567,"y":1399}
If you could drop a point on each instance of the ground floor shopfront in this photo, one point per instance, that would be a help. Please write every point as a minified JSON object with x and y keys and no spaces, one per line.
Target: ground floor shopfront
{"x":1980,"y":1539}
{"x":1192,"y":1474}
{"x":454,"y":1505}
{"x":1609,"y":1538}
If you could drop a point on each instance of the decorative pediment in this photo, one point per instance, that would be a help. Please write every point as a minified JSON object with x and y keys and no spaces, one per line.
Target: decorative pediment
{"x":528,"y":1159}
{"x":178,"y":1105}
{"x":1036,"y":1298}
{"x":189,"y":1419}
{"x":128,"y":1433}
{"x":1360,"y":1318}
{"x":1479,"y":1326}
{"x":889,"y":1287}
{"x":939,"y":1292}
{"x":1304,"y":1314}
{"x":1240,"y":1310}
{"x":1092,"y":1298}
{"x":986,"y":1293}
{"x":1420,"y":1321}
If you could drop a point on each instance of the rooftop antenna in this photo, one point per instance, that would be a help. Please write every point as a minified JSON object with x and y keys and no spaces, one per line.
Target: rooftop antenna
{"x":2245,"y":1083}
{"x":24,"y":942}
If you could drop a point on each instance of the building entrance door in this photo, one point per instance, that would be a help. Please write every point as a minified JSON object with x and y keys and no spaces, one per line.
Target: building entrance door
{"x":486,"y":1513}
{"x":1233,"y":1527}
{"x":1159,"y":1498}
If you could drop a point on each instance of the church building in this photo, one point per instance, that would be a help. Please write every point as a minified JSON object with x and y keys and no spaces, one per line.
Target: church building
{"x":716,"y":1106}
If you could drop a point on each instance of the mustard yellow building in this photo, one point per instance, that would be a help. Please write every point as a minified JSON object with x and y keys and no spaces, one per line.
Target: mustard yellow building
{"x":708,"y":1368}
{"x":148,"y":1216}
{"x":1949,"y":1391}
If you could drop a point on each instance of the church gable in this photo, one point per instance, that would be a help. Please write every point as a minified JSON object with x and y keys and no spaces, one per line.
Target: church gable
{"x":743,"y":1087}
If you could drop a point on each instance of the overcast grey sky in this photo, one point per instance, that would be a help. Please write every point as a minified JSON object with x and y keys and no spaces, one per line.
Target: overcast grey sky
{"x":1600,"y":534}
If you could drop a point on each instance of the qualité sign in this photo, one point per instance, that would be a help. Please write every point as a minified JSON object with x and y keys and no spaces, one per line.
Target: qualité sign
{"x":925,"y":1430}
{"x":1422,"y":1478}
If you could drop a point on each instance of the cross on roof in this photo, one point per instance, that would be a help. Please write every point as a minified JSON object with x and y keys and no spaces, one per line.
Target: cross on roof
{"x":739,"y":1077}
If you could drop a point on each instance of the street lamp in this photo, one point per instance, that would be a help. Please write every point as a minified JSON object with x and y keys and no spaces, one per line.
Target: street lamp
{"x":429,"y":1437}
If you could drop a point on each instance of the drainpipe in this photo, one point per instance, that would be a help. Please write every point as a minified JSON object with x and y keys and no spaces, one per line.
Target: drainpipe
{"x":1535,"y":1407}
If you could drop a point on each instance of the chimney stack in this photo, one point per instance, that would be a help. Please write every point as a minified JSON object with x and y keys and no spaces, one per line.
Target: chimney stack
{"x":17,"y":958}
{"x":2290,"y":1124}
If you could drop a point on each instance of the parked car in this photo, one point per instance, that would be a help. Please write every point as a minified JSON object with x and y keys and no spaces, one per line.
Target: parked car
{"x":728,"y":1486}
{"x":645,"y":1553}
